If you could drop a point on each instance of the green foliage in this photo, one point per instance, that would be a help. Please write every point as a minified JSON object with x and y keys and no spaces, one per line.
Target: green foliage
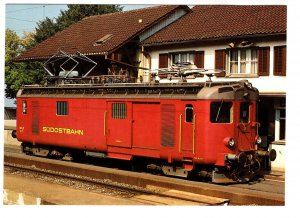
{"x":45,"y":29}
{"x":18,"y":74}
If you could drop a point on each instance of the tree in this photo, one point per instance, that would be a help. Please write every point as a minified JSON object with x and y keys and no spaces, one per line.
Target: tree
{"x":18,"y":74}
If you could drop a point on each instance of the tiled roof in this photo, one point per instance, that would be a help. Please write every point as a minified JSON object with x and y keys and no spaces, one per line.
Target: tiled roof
{"x":115,"y":28}
{"x":223,"y":21}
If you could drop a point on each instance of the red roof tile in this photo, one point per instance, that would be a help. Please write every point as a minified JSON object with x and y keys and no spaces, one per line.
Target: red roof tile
{"x":83,"y":35}
{"x":223,"y":21}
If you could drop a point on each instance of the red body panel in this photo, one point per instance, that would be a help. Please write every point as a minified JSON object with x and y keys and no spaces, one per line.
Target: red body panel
{"x":146,"y":125}
{"x":90,"y":125}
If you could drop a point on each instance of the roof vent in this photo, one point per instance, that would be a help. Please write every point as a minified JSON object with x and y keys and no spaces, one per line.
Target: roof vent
{"x":103,"y":39}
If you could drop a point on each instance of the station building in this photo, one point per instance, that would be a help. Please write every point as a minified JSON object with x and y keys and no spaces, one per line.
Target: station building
{"x":246,"y":41}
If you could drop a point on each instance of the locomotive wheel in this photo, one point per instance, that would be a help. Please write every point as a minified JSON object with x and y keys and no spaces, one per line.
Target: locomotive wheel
{"x":138,"y":165}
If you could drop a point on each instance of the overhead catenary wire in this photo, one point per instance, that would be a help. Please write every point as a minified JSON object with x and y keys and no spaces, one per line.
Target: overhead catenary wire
{"x":23,"y":9}
{"x":25,"y":15}
{"x":31,"y":21}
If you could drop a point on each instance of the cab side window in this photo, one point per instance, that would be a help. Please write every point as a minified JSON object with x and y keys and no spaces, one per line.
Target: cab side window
{"x":189,"y":113}
{"x":221,"y":112}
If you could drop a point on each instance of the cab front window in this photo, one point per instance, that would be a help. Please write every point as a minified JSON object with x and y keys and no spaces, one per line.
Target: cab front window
{"x":244,"y":112}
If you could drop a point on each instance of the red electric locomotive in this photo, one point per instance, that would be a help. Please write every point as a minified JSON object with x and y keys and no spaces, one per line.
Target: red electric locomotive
{"x":180,"y":128}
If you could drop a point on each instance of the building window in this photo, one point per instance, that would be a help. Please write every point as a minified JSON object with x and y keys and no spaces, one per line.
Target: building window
{"x":189,"y":113}
{"x":243,"y":61}
{"x":282,"y":124}
{"x":280,"y":116}
{"x":62,"y":108}
{"x":119,"y":111}
{"x":221,"y":112}
{"x":279,"y":60}
{"x":193,"y":57}
{"x":184,"y":57}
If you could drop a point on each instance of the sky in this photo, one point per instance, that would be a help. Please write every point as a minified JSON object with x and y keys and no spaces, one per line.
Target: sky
{"x":24,"y":17}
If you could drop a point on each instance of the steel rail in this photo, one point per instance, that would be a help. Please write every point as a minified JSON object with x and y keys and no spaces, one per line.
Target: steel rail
{"x":34,"y":166}
{"x":237,"y":196}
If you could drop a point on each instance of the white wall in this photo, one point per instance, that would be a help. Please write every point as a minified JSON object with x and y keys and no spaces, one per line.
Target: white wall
{"x":265,"y":84}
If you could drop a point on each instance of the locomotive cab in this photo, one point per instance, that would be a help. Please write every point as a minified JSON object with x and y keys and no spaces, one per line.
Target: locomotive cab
{"x":234,"y":118}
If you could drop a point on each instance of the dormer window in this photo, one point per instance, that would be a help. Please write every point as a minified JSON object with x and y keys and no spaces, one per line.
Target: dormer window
{"x":103,"y":39}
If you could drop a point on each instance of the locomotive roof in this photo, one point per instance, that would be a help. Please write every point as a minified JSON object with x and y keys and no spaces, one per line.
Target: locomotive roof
{"x":205,"y":90}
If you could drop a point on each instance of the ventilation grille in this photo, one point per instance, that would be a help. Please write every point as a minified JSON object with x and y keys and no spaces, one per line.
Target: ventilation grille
{"x":167,"y":125}
{"x":35,"y":117}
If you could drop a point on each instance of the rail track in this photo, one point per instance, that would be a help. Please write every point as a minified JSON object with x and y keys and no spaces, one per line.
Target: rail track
{"x":148,"y":185}
{"x":149,"y":195}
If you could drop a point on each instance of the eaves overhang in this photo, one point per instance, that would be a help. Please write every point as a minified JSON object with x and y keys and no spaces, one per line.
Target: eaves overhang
{"x":210,"y":39}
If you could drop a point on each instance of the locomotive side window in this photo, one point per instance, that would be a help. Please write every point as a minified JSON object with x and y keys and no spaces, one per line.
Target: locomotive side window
{"x":244,"y":112}
{"x":189,"y":113}
{"x":221,"y":112}
{"x":119,"y":111}
{"x":24,"y":107}
{"x":62,"y":108}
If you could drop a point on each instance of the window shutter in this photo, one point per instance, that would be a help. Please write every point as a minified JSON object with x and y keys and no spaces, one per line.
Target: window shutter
{"x":280,"y":61}
{"x":263,"y":61}
{"x":199,"y":61}
{"x":163,"y":60}
{"x":220,"y":61}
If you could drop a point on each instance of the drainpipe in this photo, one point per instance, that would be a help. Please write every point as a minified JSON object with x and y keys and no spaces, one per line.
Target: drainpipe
{"x":148,"y":58}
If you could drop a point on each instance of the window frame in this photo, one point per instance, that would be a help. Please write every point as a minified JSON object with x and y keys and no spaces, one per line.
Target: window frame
{"x":190,"y":56}
{"x":24,"y":107}
{"x":191,"y":117}
{"x":249,"y":111}
{"x":166,"y":60}
{"x":251,"y":61}
{"x":230,"y":112}
{"x":280,"y":120}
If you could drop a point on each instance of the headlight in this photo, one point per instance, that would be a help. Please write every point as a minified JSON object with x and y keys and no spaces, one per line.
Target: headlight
{"x":258,"y":140}
{"x":229,"y":142}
